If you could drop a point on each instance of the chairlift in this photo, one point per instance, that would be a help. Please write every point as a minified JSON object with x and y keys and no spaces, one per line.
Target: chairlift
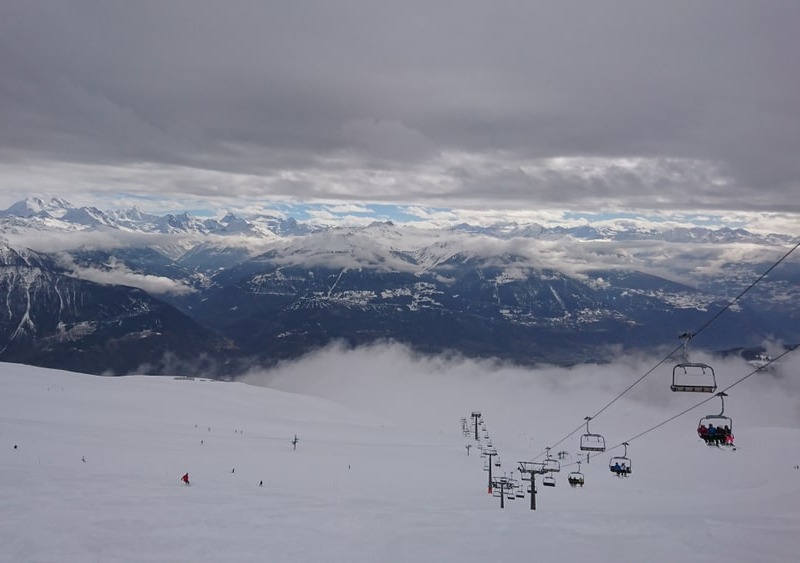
{"x":551,"y":464}
{"x":592,"y":442}
{"x":621,"y":465}
{"x":548,"y":480}
{"x":576,"y":477}
{"x":693,"y":378}
{"x":717,"y":429}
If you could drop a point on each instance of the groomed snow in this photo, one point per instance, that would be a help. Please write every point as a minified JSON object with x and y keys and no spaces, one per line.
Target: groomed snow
{"x":389,"y":481}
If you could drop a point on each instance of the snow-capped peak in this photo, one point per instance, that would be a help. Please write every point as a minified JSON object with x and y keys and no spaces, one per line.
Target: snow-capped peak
{"x":37,"y":207}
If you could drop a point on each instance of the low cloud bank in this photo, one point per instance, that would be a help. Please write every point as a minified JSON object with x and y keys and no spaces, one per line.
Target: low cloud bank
{"x":532,"y":407}
{"x":117,"y":273}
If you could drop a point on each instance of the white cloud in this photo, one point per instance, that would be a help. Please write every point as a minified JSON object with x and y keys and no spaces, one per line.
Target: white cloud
{"x":348,"y":208}
{"x":453,"y":187}
{"x":117,"y":273}
{"x":434,"y":391}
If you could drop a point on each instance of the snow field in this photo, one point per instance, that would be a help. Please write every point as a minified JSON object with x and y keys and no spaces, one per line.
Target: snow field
{"x":388,"y":482}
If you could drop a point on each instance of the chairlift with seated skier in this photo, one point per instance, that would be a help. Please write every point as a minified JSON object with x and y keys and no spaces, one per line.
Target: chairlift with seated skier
{"x":621,"y":465}
{"x":575,"y":478}
{"x":717,"y":429}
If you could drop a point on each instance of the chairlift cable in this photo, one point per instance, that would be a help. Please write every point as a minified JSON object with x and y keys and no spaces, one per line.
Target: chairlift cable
{"x":745,"y":290}
{"x":632,"y":385}
{"x":674,"y":351}
{"x":761,"y":368}
{"x":707,"y":399}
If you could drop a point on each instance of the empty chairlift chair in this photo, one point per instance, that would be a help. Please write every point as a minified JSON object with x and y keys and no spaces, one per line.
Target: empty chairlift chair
{"x":621,"y":465}
{"x":551,"y":464}
{"x":717,"y":429}
{"x":693,"y":378}
{"x":510,"y":493}
{"x":592,"y":442}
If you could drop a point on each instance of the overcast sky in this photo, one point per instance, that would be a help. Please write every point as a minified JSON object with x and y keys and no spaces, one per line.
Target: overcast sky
{"x":674,"y":106}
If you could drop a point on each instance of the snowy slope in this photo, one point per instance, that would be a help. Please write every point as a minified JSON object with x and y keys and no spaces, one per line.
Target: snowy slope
{"x":379,"y":475}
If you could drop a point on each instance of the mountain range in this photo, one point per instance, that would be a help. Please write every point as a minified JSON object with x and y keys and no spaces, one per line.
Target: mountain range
{"x":125,"y":291}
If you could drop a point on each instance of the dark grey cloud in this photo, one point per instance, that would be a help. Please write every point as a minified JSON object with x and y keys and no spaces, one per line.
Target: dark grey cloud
{"x":702,"y":94}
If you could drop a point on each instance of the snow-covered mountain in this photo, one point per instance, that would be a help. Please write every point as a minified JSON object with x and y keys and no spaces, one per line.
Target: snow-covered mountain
{"x":52,"y":318}
{"x":277,"y":288}
{"x":57,"y":214}
{"x":37,"y":207}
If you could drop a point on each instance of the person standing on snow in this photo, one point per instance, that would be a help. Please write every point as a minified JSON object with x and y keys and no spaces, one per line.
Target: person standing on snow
{"x":185,"y":478}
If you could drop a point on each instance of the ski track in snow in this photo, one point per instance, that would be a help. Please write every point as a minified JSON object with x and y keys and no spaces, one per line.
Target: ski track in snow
{"x":360,"y":487}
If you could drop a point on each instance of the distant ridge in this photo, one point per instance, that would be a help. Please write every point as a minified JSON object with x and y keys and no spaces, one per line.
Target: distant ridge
{"x":259,"y":289}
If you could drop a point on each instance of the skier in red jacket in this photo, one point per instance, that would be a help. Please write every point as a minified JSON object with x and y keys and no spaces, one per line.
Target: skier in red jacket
{"x":185,"y":478}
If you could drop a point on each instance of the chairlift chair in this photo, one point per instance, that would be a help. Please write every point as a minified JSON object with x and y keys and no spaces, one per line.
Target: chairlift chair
{"x":592,"y":442}
{"x":693,"y":378}
{"x":621,"y":465}
{"x":575,"y":478}
{"x":548,"y":480}
{"x":715,"y":428}
{"x":551,"y":464}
